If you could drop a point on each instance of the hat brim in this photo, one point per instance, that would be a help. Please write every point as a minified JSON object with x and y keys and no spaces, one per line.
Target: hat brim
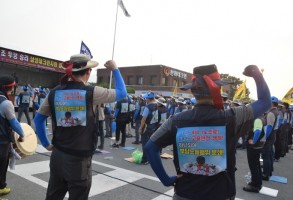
{"x":218,"y":82}
{"x":90,"y":64}
{"x":164,"y":104}
{"x":146,"y":96}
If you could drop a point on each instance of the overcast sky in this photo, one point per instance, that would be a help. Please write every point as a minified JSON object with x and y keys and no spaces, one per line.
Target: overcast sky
{"x":178,"y":33}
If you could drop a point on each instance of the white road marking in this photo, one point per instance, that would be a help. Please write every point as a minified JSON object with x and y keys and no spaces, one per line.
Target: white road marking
{"x":100,"y":183}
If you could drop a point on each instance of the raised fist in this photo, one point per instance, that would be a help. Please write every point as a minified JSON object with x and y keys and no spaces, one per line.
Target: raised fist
{"x":251,"y":70}
{"x":110,"y":64}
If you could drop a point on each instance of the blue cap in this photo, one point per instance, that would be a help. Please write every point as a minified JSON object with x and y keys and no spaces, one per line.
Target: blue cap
{"x":24,"y":87}
{"x":274,"y":99}
{"x":193,"y":100}
{"x":149,"y":95}
{"x":41,"y":89}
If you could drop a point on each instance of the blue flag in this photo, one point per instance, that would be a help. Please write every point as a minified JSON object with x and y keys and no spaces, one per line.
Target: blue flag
{"x":85,"y":50}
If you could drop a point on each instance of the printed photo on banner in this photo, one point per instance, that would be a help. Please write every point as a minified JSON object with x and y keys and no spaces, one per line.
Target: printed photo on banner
{"x":202,"y":150}
{"x":70,"y":108}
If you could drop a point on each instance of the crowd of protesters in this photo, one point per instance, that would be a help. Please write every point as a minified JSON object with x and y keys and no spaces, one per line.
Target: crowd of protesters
{"x":269,"y":136}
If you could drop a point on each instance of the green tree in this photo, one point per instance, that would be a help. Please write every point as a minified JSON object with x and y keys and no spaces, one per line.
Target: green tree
{"x":233,"y":86}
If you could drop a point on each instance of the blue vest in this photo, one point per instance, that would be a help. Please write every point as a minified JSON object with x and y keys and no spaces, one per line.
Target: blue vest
{"x":6,"y":134}
{"x":191,"y":185}
{"x":79,"y":140}
{"x":41,"y":98}
{"x":153,"y":113}
{"x":24,"y":99}
{"x":123,"y":114}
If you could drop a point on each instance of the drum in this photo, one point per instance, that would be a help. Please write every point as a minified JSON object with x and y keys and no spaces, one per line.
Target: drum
{"x":29,"y":146}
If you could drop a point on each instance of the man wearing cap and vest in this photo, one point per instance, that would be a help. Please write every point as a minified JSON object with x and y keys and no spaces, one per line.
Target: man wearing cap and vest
{"x":271,"y":129}
{"x":149,"y":122}
{"x":285,"y":129}
{"x":255,"y":143}
{"x":278,"y":126}
{"x":206,"y":131}
{"x":8,"y":124}
{"x":181,"y":106}
{"x":23,"y":101}
{"x":73,"y":146}
{"x":139,"y":108}
{"x":121,"y":117}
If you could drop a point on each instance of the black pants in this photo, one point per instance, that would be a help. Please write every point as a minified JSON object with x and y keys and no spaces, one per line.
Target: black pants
{"x":277,"y":145}
{"x":267,"y":155}
{"x":253,"y":156}
{"x":4,"y":160}
{"x":144,"y":139}
{"x":121,"y":127}
{"x":26,"y":112}
{"x":69,"y":173}
{"x":101,"y":133}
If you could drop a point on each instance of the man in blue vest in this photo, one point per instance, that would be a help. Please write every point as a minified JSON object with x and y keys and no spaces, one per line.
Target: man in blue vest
{"x":121,"y":117}
{"x":73,"y":146}
{"x":207,"y":132}
{"x":23,"y":101}
{"x":139,"y":108}
{"x":271,"y":130}
{"x":149,"y":122}
{"x":8,"y":123}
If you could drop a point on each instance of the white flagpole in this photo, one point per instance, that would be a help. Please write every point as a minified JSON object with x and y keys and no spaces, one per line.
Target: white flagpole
{"x":113,"y":50}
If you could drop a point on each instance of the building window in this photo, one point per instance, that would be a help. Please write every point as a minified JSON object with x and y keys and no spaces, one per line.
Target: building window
{"x":130,"y":80}
{"x":174,"y":82}
{"x":140,"y":80}
{"x":164,"y":81}
{"x":182,"y":83}
{"x":100,"y":79}
{"x":153,"y":80}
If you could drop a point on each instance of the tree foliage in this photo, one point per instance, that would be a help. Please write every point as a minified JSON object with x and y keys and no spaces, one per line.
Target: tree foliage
{"x":235,"y":82}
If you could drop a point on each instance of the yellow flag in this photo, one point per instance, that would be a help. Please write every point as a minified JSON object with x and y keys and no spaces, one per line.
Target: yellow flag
{"x":288,"y":98}
{"x":241,"y":91}
{"x":175,"y":90}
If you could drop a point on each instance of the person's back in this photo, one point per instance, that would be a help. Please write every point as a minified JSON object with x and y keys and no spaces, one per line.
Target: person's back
{"x":74,"y":142}
{"x":204,"y":138}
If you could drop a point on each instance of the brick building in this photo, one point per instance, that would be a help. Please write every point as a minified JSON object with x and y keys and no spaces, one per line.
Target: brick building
{"x":159,"y":78}
{"x":30,"y":69}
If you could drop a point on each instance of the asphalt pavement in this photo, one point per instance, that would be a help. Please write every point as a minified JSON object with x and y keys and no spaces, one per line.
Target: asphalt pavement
{"x":116,"y":178}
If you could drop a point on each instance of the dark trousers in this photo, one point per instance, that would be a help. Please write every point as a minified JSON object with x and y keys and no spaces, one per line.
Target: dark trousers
{"x":253,"y":156}
{"x":284,"y":141}
{"x":69,"y":173}
{"x":34,"y":110}
{"x":108,"y":127}
{"x":144,"y":139}
{"x":121,"y":127}
{"x":137,"y":125}
{"x":4,"y":160}
{"x":101,"y":133}
{"x":26,"y":112}
{"x":277,"y":145}
{"x":268,"y":160}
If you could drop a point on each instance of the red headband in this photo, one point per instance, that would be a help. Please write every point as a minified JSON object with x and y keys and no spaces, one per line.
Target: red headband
{"x":11,"y":84}
{"x":213,"y":88}
{"x":68,"y":70}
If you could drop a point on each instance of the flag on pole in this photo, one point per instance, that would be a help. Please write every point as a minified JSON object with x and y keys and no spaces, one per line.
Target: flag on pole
{"x":85,"y":50}
{"x":288,"y":98}
{"x":121,"y":4}
{"x":241,"y":91}
{"x":175,"y":90}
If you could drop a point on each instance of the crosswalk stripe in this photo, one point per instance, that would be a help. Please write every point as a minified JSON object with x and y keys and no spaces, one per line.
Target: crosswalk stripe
{"x":101,"y":183}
